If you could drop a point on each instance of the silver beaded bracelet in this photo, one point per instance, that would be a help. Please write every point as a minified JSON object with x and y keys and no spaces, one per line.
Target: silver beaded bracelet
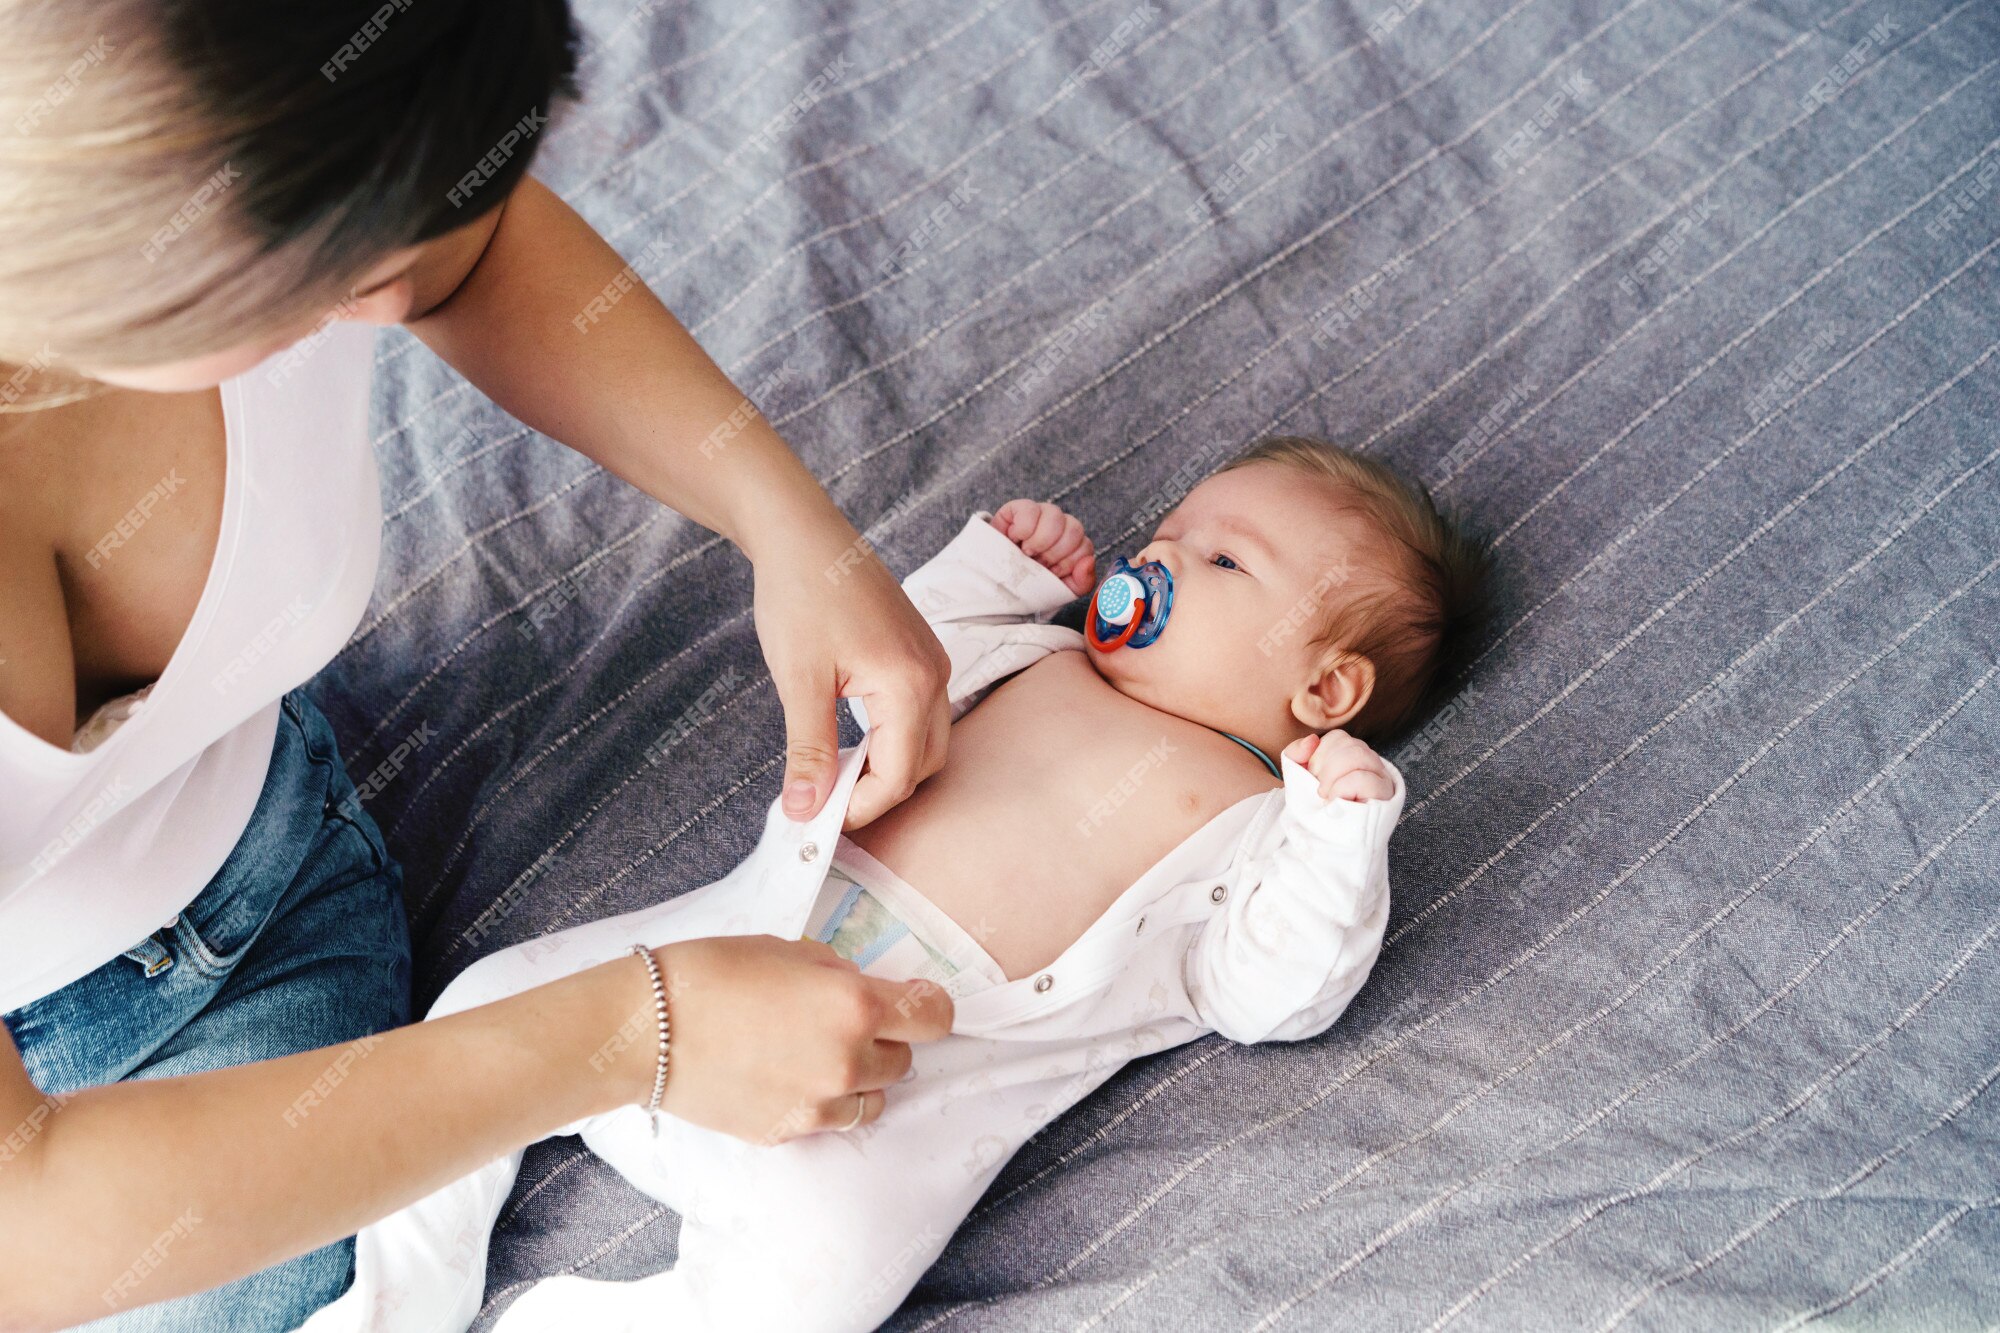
{"x":666,"y":1031}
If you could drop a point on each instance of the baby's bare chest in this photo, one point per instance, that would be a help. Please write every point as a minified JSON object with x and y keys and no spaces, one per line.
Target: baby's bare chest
{"x":1058,"y":792}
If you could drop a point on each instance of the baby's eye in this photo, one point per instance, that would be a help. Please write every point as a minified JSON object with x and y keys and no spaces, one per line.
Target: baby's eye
{"x":1225,"y":561}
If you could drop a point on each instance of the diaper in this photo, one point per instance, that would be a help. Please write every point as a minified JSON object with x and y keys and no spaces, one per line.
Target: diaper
{"x":887,"y":929}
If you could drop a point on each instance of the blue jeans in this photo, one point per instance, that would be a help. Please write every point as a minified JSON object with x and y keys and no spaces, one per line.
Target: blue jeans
{"x":300,"y":941}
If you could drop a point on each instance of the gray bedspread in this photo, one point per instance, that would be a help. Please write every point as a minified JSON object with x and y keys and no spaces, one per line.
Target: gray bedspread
{"x":1686,"y":1018}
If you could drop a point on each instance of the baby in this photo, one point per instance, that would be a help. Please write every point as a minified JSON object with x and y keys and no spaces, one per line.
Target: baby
{"x":1110,"y":863}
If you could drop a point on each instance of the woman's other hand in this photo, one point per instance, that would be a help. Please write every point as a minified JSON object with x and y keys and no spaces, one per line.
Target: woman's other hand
{"x":772,"y":1039}
{"x":834,"y":622}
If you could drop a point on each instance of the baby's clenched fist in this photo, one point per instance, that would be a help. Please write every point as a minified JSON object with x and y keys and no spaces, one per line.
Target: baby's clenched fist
{"x":1055,"y":539}
{"x":1346,"y":768}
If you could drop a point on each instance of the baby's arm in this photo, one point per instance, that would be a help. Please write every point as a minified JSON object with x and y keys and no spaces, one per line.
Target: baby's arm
{"x":1298,"y":937}
{"x":989,"y":601}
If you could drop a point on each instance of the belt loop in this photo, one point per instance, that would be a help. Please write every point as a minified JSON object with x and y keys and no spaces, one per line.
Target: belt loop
{"x":152,"y":955}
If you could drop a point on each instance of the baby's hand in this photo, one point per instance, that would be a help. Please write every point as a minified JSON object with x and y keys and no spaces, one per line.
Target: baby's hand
{"x":1346,"y":768}
{"x":1046,"y":534}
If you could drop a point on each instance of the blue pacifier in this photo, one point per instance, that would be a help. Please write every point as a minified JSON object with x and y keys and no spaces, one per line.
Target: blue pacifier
{"x":1131,"y":606}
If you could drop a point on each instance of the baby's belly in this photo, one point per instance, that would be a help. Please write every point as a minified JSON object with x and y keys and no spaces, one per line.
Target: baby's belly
{"x":1037,"y":822}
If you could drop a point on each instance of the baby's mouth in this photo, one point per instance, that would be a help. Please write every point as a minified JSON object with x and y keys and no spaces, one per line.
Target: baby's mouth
{"x":1130,"y":607}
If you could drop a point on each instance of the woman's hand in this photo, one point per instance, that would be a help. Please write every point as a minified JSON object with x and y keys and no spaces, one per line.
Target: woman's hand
{"x":834,"y":622}
{"x":773,"y":1038}
{"x":1347,"y":769}
{"x":1055,"y":539}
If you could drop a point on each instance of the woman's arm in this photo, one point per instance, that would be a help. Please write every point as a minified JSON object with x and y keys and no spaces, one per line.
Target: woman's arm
{"x":144,"y":1190}
{"x":521,"y":303}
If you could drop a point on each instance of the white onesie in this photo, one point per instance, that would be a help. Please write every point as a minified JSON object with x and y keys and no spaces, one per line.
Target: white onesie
{"x":1261,"y":926}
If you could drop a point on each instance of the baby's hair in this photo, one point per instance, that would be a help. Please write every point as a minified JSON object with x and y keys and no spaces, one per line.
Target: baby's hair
{"x":178,"y":177}
{"x":1417,"y":624}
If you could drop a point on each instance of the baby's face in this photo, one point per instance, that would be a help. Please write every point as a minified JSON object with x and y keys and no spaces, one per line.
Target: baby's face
{"x":1258,"y":555}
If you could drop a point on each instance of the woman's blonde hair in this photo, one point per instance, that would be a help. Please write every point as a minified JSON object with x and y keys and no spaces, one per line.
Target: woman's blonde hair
{"x":178,"y":177}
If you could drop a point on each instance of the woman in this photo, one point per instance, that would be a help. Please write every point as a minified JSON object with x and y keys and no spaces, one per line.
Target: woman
{"x":193,"y":1114}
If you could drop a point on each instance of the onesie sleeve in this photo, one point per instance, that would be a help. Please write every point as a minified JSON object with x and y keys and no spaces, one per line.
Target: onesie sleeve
{"x":1303,"y":927}
{"x":989,"y":605}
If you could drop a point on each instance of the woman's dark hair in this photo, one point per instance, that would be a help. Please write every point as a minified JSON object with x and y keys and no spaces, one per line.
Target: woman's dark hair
{"x":240,"y":162}
{"x":366,"y":114}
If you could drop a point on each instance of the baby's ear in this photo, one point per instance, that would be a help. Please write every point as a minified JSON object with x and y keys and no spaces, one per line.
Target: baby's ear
{"x":1335,"y":691}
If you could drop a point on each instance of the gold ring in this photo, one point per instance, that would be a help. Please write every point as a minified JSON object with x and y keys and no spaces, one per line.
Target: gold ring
{"x":860,"y":1107}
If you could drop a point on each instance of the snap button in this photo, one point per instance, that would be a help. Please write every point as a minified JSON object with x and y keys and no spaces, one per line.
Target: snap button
{"x":1218,"y":893}
{"x":175,"y":921}
{"x":807,"y":851}
{"x":1044,"y":981}
{"x":1141,"y":927}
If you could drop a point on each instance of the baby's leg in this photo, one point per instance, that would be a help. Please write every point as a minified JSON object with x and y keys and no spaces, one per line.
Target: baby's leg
{"x":829,"y":1232}
{"x":822,"y":1234}
{"x":423,"y":1268}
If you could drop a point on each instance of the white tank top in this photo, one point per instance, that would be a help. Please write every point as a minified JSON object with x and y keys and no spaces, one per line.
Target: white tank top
{"x":103,"y":843}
